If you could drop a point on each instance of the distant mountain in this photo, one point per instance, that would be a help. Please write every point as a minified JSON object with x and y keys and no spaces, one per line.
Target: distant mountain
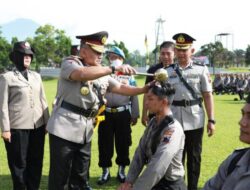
{"x":20,"y":28}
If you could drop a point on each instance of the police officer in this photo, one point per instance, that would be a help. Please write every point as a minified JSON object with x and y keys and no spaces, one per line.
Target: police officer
{"x":121,"y":111}
{"x":160,"y":148}
{"x":241,"y":85}
{"x":218,"y":84}
{"x":234,"y":172}
{"x":23,"y":116}
{"x":82,"y":85}
{"x":193,"y":84}
{"x":166,"y":58}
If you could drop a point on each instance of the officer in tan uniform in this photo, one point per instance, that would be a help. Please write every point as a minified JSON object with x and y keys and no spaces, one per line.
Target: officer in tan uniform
{"x":193,"y":85}
{"x":234,"y":172}
{"x":23,"y":116}
{"x":82,"y":85}
{"x":121,"y":112}
{"x":161,"y":147}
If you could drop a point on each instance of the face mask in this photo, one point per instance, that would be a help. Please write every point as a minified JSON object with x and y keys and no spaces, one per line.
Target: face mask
{"x":116,"y":62}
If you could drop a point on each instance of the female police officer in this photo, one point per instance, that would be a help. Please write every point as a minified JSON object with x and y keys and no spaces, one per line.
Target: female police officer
{"x":23,"y":116}
{"x":160,"y":147}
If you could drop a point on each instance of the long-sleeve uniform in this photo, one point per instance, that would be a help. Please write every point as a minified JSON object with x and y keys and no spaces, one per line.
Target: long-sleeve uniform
{"x":237,"y":179}
{"x":165,"y":165}
{"x":24,"y":113}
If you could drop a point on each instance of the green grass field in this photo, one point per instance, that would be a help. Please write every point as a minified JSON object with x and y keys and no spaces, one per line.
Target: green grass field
{"x":215,"y":149}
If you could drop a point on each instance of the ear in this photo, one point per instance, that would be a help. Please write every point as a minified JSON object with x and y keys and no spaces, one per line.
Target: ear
{"x":192,"y":50}
{"x":82,"y":53}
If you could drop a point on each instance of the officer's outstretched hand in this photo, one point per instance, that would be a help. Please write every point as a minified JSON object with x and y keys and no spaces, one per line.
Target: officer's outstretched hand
{"x":210,"y":129}
{"x":126,"y":69}
{"x":125,"y":186}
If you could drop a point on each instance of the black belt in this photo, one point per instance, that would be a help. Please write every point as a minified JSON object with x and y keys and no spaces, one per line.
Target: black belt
{"x":185,"y":103}
{"x":78,"y":110}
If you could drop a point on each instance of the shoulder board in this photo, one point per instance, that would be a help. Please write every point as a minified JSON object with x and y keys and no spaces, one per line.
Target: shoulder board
{"x":76,"y":58}
{"x":73,"y":58}
{"x":200,"y":64}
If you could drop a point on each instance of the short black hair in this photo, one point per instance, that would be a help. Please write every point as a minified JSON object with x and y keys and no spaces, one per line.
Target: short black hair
{"x":167,"y":44}
{"x":162,"y":90}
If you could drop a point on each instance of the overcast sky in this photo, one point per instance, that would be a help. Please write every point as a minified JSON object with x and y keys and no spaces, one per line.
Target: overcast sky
{"x":130,"y":20}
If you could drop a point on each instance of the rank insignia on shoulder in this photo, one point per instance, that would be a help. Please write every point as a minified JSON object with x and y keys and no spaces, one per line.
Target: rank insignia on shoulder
{"x":167,"y":135}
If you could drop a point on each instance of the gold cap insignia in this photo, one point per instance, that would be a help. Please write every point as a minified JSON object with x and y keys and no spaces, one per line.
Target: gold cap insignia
{"x":84,"y":90}
{"x":104,"y":39}
{"x":181,"y":39}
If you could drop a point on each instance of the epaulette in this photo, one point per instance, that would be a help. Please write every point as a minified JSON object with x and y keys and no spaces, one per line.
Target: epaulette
{"x":73,"y":58}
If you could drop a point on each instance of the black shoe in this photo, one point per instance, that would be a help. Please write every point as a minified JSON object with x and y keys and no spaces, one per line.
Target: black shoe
{"x":105,"y":177}
{"x":85,"y":187}
{"x":121,"y":174}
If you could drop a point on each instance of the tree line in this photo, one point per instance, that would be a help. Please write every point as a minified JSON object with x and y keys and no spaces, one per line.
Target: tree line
{"x":51,"y":45}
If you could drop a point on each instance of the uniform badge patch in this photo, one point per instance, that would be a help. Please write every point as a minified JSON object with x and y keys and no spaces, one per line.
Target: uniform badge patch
{"x":167,"y":135}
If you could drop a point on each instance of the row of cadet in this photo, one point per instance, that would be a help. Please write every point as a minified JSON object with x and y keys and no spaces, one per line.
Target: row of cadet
{"x":232,"y":83}
{"x":172,"y":111}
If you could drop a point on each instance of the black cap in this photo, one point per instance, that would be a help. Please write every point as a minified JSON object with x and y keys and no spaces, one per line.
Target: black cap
{"x":96,"y":41}
{"x":183,"y":40}
{"x":21,"y":47}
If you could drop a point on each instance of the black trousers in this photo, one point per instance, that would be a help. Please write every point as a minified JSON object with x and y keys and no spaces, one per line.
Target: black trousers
{"x":25,"y":157}
{"x":69,"y":164}
{"x":116,"y":128}
{"x":193,"y":149}
{"x":241,"y":94}
{"x":164,"y":184}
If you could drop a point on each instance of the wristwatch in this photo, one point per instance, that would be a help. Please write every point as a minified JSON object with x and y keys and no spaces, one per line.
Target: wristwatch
{"x":212,"y":121}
